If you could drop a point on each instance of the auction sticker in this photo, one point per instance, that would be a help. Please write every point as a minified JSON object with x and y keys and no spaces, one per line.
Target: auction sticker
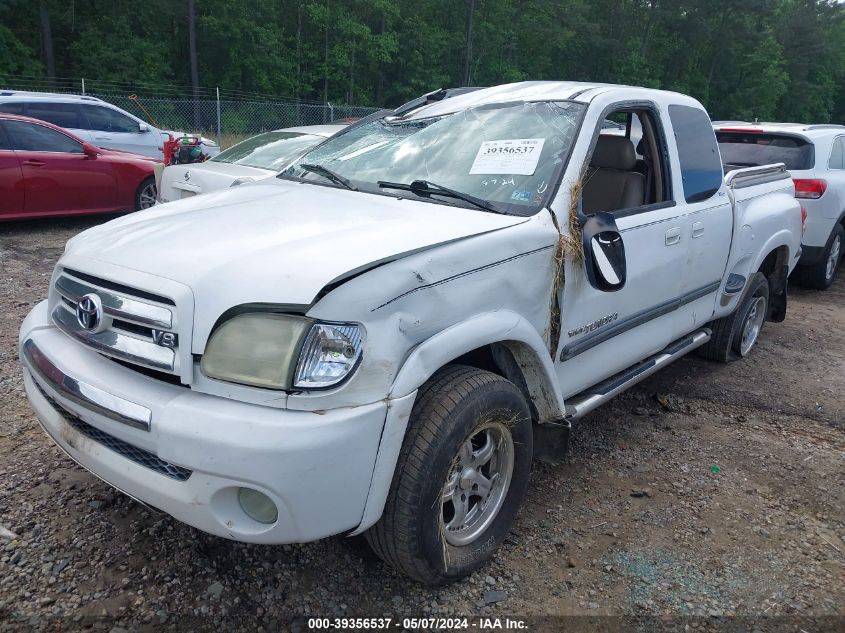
{"x":509,"y":156}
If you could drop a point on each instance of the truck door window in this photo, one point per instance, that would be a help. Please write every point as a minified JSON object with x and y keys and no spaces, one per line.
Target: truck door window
{"x":701,"y":165}
{"x":626,"y":170}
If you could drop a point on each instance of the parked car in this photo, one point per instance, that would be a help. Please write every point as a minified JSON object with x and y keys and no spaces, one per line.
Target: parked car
{"x":47,"y":171}
{"x":380,"y":339}
{"x":815,"y":156}
{"x":253,"y":159}
{"x":94,"y":121}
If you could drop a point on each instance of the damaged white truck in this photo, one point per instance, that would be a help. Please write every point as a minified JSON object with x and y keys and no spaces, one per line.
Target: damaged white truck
{"x":381,"y":339}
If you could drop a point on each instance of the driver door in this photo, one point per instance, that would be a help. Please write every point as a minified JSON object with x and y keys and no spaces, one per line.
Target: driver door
{"x":605,"y":330}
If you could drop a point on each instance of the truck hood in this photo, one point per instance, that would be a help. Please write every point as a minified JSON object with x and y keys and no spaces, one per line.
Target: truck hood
{"x":275,"y":241}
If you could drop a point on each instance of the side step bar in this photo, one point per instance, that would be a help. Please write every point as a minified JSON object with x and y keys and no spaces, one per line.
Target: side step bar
{"x":584,"y":402}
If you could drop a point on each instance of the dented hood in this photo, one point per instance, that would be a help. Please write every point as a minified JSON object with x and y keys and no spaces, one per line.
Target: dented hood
{"x":275,"y":241}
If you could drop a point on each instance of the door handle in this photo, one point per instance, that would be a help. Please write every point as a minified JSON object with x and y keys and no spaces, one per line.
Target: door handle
{"x":34,"y":163}
{"x":673,"y":236}
{"x":102,"y":138}
{"x":698,"y":229}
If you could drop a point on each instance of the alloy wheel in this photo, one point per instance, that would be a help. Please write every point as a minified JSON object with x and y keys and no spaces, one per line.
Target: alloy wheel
{"x":753,"y":324}
{"x":833,"y":257}
{"x":147,"y":196}
{"x":477,"y":483}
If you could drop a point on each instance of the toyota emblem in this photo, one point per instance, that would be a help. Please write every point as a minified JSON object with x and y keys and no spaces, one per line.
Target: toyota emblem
{"x":89,"y":312}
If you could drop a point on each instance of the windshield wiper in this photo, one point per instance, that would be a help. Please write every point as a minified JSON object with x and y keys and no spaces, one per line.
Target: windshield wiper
{"x":328,"y":173}
{"x":425,"y":188}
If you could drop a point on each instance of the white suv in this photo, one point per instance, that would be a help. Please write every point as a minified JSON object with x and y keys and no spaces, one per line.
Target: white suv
{"x":93,"y":120}
{"x":815,"y":155}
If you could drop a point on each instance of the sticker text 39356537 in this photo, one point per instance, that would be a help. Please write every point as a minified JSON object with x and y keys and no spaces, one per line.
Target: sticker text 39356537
{"x":509,"y":156}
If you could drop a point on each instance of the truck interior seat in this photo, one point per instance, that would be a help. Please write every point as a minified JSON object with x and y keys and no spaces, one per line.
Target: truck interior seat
{"x":611,"y":182}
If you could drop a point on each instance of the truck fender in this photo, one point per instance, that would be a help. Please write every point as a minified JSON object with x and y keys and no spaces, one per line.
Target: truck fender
{"x":749,"y":263}
{"x":780,"y":239}
{"x":502,"y":327}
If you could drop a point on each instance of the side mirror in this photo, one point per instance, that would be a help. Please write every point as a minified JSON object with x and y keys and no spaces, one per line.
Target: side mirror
{"x":143,"y":127}
{"x":90,"y":151}
{"x":604,"y":253}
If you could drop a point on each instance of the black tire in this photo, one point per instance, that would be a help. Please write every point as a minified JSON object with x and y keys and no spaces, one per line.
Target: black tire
{"x":450,"y":407}
{"x":141,"y":201}
{"x":818,"y":275}
{"x":725,"y":344}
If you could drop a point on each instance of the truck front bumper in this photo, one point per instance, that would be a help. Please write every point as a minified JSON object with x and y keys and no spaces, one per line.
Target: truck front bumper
{"x":189,"y":454}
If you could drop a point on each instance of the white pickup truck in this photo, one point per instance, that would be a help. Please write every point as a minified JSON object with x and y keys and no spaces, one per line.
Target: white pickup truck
{"x":382,"y":338}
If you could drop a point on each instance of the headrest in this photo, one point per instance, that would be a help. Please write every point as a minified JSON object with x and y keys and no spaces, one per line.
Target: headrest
{"x":614,"y":152}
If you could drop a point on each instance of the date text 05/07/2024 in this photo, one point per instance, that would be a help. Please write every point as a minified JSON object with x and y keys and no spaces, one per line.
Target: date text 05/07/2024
{"x":433,"y":624}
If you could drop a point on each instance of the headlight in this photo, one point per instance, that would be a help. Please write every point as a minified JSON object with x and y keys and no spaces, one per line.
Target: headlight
{"x":329,"y":353}
{"x":278,"y":351}
{"x":255,"y":349}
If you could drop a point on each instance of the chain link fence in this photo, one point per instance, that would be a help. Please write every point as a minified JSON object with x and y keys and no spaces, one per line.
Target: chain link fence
{"x":227,"y":115}
{"x":232,"y":117}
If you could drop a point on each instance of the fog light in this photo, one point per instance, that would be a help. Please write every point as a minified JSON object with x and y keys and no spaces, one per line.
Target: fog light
{"x":257,"y":505}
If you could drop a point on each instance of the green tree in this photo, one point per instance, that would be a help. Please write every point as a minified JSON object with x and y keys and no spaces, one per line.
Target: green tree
{"x":768,"y":59}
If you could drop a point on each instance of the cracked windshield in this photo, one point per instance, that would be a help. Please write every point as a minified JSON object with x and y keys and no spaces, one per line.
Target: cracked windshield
{"x":503,"y":158}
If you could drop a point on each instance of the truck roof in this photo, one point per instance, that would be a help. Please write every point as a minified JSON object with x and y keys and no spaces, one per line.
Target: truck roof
{"x":544,"y":91}
{"x":808,"y":131}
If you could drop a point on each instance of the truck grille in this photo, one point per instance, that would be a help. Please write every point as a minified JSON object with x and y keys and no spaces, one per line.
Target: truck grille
{"x":132,"y":325}
{"x":124,"y":449}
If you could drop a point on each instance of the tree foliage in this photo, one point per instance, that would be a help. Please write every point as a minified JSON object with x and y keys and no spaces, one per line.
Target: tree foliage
{"x":745,"y":59}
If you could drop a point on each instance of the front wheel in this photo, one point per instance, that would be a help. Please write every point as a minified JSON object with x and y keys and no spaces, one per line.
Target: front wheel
{"x":460,"y":478}
{"x":145,"y":196}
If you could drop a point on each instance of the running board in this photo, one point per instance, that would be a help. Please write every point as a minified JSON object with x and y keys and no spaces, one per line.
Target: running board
{"x":584,"y":402}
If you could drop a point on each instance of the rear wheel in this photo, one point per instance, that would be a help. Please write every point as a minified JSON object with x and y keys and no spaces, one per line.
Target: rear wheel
{"x":735,"y":335}
{"x":145,"y":196}
{"x":460,"y":478}
{"x":821,"y":274}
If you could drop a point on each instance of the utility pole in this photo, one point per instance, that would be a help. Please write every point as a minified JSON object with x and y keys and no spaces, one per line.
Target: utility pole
{"x":470,"y":16}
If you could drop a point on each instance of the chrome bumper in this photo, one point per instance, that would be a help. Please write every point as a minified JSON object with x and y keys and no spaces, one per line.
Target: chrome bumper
{"x":83,"y":394}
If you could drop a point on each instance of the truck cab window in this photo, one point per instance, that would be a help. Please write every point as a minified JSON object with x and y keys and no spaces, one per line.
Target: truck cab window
{"x":625,"y":170}
{"x":701,"y":165}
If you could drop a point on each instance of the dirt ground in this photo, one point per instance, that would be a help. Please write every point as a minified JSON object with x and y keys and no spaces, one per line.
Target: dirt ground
{"x":707,"y":496}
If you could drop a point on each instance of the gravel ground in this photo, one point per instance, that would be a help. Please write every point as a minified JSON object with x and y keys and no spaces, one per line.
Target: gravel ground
{"x":708,"y":490}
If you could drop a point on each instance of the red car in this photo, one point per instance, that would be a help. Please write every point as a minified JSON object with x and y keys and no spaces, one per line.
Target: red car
{"x":47,"y":171}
